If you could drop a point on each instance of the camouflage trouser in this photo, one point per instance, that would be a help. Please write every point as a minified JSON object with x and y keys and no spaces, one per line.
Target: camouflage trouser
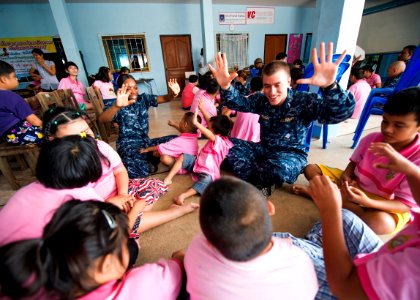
{"x":257,"y":165}
{"x":137,"y":163}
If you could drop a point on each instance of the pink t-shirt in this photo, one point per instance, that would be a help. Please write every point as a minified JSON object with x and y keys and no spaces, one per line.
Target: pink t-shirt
{"x":381,"y":181}
{"x":161,"y":280}
{"x":209,"y":105}
{"x":188,"y":94}
{"x":32,"y":207}
{"x":373,"y":80}
{"x":76,"y":87}
{"x":106,"y":88}
{"x":285,"y":272}
{"x":246,"y":127}
{"x":186,"y":143}
{"x":360,"y":90}
{"x":106,"y":186}
{"x":394,"y":271}
{"x":211,"y":156}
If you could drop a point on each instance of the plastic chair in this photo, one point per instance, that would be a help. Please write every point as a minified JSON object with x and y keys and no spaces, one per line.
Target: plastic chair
{"x":309,"y":71}
{"x":378,"y":97}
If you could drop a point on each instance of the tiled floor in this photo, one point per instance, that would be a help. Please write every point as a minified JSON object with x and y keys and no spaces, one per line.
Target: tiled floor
{"x":293,"y":213}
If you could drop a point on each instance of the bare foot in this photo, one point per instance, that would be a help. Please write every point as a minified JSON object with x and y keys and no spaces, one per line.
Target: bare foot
{"x":180,"y":199}
{"x":167,"y":181}
{"x":301,"y":190}
{"x":185,"y":209}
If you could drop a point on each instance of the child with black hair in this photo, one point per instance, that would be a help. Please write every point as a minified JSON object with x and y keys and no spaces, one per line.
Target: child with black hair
{"x":131,"y":112}
{"x":76,"y":86}
{"x":18,"y":124}
{"x":374,"y":80}
{"x":103,"y":84}
{"x":205,"y":167}
{"x":360,"y":88}
{"x":241,"y":84}
{"x":381,"y":198}
{"x":82,"y":253}
{"x":186,"y":143}
{"x":247,"y":126}
{"x":236,"y":256}
{"x":189,"y":92}
{"x":207,"y":97}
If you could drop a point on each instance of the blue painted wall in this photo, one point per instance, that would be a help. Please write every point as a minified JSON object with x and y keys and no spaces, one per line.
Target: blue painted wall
{"x":91,"y":20}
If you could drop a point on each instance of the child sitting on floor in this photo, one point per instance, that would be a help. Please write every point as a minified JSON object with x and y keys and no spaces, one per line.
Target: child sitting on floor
{"x":236,"y":257}
{"x":82,"y":254}
{"x":186,"y":143}
{"x":189,"y":92}
{"x":380,"y":198}
{"x":18,"y":124}
{"x":206,"y":166}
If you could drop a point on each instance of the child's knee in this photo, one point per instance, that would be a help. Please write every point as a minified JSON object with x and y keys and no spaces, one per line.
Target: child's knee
{"x":167,"y":160}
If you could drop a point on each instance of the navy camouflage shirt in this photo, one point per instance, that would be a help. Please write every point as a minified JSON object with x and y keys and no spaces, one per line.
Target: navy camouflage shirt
{"x":285,"y":127}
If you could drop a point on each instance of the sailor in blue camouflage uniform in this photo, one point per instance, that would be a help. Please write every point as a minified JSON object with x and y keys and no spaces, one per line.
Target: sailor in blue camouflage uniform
{"x":131,"y":112}
{"x":285,"y":116}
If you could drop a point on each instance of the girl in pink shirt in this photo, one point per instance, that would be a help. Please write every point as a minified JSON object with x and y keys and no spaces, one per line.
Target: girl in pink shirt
{"x":114,"y":182}
{"x":74,"y":85}
{"x":83,"y":254}
{"x":103,"y":84}
{"x":206,"y":167}
{"x":208,"y":100}
{"x":186,"y":143}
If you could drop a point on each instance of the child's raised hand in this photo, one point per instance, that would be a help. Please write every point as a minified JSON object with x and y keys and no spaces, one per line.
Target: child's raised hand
{"x":122,"y":97}
{"x":325,"y":71}
{"x":172,"y":123}
{"x":194,"y":120}
{"x":395,"y":161}
{"x":325,"y":194}
{"x":222,"y":73}
{"x":174,"y":86}
{"x":201,"y":105}
{"x":144,"y":150}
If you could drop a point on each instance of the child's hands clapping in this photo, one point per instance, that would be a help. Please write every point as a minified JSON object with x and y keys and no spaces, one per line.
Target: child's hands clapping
{"x":123,"y":96}
{"x":325,"y":194}
{"x":123,"y":202}
{"x":172,"y":123}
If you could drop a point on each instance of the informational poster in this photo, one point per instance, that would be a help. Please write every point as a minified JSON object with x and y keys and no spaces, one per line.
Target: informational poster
{"x":17,"y":51}
{"x":232,"y":18}
{"x":295,"y":45}
{"x":260,"y":15}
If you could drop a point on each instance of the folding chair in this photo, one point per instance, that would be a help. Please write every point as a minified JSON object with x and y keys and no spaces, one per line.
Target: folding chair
{"x":98,"y":107}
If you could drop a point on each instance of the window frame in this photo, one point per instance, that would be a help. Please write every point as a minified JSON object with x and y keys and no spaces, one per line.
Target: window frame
{"x":217,"y":39}
{"x":125,"y":38}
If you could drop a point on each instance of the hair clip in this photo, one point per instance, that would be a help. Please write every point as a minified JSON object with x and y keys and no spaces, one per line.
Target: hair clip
{"x":83,"y":135}
{"x":109,"y":219}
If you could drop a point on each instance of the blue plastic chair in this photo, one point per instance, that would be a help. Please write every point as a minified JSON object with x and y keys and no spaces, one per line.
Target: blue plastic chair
{"x":377,"y":97}
{"x":309,"y":71}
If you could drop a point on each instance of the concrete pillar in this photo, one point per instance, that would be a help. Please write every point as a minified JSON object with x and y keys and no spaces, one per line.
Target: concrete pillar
{"x":338,"y":22}
{"x":68,"y":39}
{"x":206,"y":7}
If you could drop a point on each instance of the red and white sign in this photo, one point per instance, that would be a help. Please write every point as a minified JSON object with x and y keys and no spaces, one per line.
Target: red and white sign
{"x":260,"y":15}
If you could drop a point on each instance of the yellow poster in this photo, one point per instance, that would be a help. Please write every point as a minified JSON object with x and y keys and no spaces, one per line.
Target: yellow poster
{"x":17,"y":51}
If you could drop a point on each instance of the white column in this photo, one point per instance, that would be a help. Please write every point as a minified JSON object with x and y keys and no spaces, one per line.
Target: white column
{"x":207,"y":30}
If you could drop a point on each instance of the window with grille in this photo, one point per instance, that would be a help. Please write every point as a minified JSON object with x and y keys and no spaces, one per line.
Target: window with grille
{"x":235,"y":47}
{"x":126,"y":51}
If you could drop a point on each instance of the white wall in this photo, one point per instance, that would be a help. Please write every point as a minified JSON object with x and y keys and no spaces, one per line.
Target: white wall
{"x":390,"y":30}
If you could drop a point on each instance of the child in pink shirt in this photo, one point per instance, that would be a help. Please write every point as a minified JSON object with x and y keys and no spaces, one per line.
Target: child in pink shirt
{"x":83,"y":254}
{"x":189,"y":92}
{"x":360,"y":89}
{"x":374,"y":80}
{"x":103,"y":84}
{"x":247,"y":126}
{"x":186,"y":143}
{"x":74,"y":85}
{"x":208,"y":100}
{"x":206,"y":167}
{"x":380,"y":198}
{"x":392,"y":271}
{"x":236,"y":256}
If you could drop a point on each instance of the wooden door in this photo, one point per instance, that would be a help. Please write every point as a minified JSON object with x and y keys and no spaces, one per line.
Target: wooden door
{"x":274,"y":43}
{"x":177,"y":57}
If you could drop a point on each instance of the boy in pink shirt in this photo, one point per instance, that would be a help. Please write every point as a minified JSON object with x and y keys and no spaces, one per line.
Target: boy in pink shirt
{"x":391,"y":272}
{"x":360,"y":89}
{"x":380,"y":198}
{"x":374,"y":80}
{"x":236,"y":257}
{"x":208,"y":101}
{"x":186,"y":143}
{"x":205,"y":167}
{"x":83,"y":254}
{"x":189,"y":92}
